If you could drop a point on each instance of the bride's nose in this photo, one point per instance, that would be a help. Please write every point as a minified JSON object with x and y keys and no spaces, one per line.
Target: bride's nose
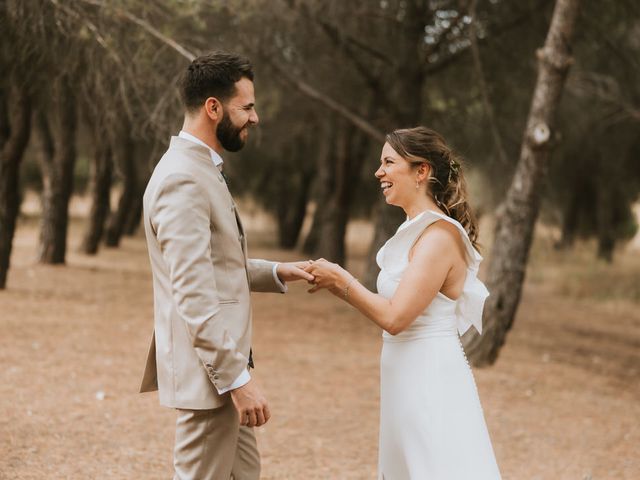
{"x":380,"y":172}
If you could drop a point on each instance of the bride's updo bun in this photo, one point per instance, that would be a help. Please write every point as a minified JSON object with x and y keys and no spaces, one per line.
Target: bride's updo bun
{"x":447,"y":185}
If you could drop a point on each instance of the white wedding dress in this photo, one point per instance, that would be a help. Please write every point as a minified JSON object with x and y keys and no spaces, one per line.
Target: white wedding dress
{"x":431,"y":422}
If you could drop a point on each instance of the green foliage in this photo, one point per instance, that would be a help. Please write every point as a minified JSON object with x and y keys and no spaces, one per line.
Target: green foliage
{"x":393,"y":63}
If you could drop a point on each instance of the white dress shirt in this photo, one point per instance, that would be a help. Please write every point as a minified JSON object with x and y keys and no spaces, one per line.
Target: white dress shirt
{"x":244,"y":377}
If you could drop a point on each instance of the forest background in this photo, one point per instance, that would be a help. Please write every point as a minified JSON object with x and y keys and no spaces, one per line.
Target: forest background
{"x":540,"y":98}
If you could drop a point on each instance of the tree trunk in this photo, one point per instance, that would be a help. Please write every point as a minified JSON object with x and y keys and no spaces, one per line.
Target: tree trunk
{"x":408,"y":100}
{"x":517,"y":215}
{"x":101,"y":178}
{"x":150,"y":151}
{"x":134,"y":217}
{"x":570,"y":219}
{"x":324,"y":174}
{"x":58,"y":175}
{"x":291,"y":213}
{"x":604,"y":221}
{"x":338,"y":175}
{"x":15,"y":129}
{"x":124,"y":151}
{"x":292,"y":208}
{"x":335,"y":212}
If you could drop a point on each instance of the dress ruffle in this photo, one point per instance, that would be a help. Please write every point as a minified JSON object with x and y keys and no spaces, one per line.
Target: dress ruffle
{"x":394,"y":256}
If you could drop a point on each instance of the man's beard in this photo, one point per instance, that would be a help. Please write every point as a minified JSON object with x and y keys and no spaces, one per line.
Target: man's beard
{"x":229,"y":135}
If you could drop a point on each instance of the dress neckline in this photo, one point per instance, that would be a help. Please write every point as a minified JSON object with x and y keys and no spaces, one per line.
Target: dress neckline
{"x":474,"y":256}
{"x":411,"y":221}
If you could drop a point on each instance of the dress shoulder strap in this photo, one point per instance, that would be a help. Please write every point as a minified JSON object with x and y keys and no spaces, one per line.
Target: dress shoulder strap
{"x":394,"y":255}
{"x":470,"y":304}
{"x":393,"y":258}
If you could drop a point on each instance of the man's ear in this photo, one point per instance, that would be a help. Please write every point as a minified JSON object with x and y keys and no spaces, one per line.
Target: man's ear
{"x":213,"y":108}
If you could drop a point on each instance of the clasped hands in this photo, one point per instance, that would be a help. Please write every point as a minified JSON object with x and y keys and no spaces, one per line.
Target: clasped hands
{"x":327,"y":275}
{"x":319,"y":273}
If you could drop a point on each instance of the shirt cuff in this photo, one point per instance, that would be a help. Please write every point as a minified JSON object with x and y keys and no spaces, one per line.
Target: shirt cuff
{"x":242,"y":380}
{"x":281,"y":285}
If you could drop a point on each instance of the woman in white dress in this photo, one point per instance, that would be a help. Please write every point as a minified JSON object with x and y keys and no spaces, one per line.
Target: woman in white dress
{"x":431,"y":422}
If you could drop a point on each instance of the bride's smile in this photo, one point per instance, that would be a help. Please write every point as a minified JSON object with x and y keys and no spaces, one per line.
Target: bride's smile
{"x":403,"y":183}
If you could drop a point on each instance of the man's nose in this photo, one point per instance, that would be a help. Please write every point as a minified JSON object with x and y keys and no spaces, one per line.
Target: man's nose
{"x":253,"y":117}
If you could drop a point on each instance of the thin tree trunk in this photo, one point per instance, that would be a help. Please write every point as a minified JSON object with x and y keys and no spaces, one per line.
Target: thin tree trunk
{"x":570,"y":218}
{"x":15,"y":129}
{"x":291,"y":208}
{"x":291,"y":215}
{"x":482,"y":84}
{"x":55,"y":214}
{"x":409,"y":99}
{"x":517,"y":215}
{"x":338,"y":175}
{"x":324,"y":173}
{"x":335,"y":212}
{"x":150,"y":151}
{"x":604,"y":220}
{"x":124,"y":150}
{"x":132,"y":223}
{"x":101,"y":178}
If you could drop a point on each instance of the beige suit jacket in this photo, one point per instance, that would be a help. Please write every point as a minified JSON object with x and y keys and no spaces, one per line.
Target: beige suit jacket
{"x":202,"y":279}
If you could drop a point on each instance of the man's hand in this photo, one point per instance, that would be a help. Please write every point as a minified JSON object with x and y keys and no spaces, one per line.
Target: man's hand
{"x":251,"y":405}
{"x":289,"y":272}
{"x":328,"y":275}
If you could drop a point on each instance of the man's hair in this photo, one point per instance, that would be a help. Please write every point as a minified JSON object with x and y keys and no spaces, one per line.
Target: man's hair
{"x":212,"y":75}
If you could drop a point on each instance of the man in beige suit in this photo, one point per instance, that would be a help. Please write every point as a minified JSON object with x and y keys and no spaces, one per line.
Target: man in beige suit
{"x":202,"y":278}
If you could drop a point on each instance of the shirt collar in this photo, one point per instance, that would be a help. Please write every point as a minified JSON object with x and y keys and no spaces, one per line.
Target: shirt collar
{"x":217,"y":159}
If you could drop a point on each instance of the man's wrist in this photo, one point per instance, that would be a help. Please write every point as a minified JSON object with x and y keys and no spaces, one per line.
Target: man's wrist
{"x":281,"y":284}
{"x":240,"y":381}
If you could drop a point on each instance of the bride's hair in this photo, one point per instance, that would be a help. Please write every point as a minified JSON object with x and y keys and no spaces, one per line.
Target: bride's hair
{"x":446,"y":181}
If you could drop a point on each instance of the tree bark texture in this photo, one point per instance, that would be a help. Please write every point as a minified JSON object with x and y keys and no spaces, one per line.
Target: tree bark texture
{"x":570,"y":219}
{"x":101,"y":178}
{"x":408,"y":100}
{"x":338,"y":176}
{"x":605,"y":206}
{"x":58,"y":174}
{"x":151,"y":151}
{"x":124,"y":153}
{"x":15,"y":129}
{"x":291,"y":209}
{"x":517,"y":215}
{"x":322,"y":186}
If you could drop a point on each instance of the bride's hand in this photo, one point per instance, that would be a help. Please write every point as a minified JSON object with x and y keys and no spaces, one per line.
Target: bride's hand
{"x":328,"y":275}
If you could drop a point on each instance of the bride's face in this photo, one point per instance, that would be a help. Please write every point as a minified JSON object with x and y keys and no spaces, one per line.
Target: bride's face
{"x":397,"y":177}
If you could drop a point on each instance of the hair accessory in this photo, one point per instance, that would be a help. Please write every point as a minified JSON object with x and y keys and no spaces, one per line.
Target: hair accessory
{"x":454,"y":168}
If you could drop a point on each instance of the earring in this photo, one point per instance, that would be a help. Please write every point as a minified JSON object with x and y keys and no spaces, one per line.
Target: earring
{"x":417,"y":184}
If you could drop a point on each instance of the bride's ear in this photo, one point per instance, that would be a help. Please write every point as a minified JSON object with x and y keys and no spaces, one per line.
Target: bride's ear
{"x":423,"y":173}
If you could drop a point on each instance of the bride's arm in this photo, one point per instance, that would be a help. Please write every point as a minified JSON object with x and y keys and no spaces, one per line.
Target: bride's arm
{"x":420,"y":283}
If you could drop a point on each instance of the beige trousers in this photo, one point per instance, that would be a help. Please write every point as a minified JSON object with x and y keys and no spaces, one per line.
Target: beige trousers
{"x":211,"y":445}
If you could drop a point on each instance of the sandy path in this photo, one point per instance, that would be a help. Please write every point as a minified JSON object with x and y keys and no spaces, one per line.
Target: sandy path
{"x":563,"y":401}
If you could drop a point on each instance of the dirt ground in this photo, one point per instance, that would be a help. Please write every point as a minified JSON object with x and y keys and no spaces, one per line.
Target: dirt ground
{"x":562,"y":402}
